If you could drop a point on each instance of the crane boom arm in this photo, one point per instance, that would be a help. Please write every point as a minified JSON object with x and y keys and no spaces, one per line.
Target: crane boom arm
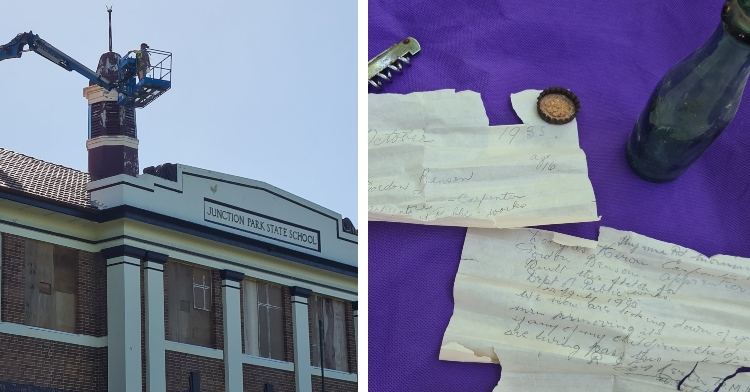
{"x":14,"y":49}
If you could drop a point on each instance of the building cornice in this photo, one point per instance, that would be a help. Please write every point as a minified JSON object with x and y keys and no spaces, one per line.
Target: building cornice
{"x":113,"y":140}
{"x":234,"y":276}
{"x":123,"y":250}
{"x":171,"y":223}
{"x":296,"y":291}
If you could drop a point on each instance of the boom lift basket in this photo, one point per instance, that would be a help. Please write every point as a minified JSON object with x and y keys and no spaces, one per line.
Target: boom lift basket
{"x":156,"y":81}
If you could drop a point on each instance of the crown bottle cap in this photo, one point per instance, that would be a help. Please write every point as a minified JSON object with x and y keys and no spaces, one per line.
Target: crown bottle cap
{"x":557,"y":105}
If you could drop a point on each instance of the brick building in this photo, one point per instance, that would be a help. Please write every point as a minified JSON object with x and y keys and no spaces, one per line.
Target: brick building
{"x":126,"y":281}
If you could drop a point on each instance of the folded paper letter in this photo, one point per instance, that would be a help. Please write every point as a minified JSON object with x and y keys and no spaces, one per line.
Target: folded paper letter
{"x":624,"y":313}
{"x":433,"y":160}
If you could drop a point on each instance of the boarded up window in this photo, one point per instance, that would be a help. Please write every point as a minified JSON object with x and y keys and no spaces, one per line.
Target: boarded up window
{"x":51,"y":278}
{"x":333,"y":315}
{"x":264,"y":320}
{"x":189,"y":304}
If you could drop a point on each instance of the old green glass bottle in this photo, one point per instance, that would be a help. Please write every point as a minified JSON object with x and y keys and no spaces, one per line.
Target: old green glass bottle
{"x":694,"y":101}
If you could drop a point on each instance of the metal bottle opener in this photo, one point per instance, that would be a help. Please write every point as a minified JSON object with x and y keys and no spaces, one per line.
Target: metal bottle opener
{"x":392,"y":59}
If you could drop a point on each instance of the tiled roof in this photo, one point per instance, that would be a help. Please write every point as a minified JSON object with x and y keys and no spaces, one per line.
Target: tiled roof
{"x":43,"y":179}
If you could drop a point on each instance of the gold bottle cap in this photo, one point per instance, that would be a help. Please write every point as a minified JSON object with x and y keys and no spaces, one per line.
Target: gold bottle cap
{"x":557,"y":105}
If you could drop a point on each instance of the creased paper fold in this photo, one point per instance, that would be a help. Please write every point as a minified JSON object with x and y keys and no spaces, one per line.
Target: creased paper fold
{"x":433,"y":160}
{"x":630,"y":314}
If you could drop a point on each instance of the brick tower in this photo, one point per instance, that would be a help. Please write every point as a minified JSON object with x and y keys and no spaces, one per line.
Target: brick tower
{"x":113,"y":140}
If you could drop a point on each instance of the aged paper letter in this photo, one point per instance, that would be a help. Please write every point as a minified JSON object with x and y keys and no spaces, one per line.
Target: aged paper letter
{"x":434,"y":161}
{"x":626,"y":313}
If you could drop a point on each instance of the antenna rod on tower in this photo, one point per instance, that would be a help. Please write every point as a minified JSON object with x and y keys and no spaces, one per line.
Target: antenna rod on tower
{"x":109,"y":11}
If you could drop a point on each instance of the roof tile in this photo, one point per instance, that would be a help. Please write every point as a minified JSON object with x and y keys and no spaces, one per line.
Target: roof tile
{"x":40,"y":178}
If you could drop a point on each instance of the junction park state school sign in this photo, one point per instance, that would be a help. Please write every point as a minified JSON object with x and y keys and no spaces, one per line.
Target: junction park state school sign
{"x":261,"y":225}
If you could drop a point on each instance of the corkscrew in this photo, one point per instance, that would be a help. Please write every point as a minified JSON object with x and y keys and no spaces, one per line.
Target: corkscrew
{"x":392,"y":59}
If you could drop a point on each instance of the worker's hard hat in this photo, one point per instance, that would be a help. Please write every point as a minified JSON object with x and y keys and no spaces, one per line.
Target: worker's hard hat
{"x":144,"y":44}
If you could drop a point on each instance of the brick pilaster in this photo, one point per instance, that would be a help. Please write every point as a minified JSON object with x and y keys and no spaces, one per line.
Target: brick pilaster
{"x":288,"y":330}
{"x":217,"y":326}
{"x":13,"y":263}
{"x":91,"y":295}
{"x":351,"y":343}
{"x":243,"y":287}
{"x":166,"y":304}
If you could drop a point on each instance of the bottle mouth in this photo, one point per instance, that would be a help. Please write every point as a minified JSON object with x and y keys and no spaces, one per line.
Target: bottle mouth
{"x":734,"y":17}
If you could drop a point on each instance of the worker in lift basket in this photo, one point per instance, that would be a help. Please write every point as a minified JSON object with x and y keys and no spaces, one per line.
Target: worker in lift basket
{"x":143,"y":61}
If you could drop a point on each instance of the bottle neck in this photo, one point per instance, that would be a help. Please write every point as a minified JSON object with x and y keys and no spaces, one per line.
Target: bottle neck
{"x":725,"y":57}
{"x":736,"y":20}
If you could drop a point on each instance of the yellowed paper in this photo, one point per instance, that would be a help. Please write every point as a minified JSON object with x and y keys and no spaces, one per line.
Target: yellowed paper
{"x":634,"y":314}
{"x":597,"y":383}
{"x":449,"y":171}
{"x":434,"y":109}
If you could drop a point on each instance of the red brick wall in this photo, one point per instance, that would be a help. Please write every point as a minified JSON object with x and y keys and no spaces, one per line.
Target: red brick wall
{"x":255,"y":377}
{"x":179,"y":366}
{"x":333,"y":385}
{"x":45,"y":363}
{"x":242,"y":314}
{"x":351,"y":343}
{"x":288,"y":328}
{"x":14,"y":253}
{"x":166,"y":306}
{"x":310,"y":326}
{"x":91,"y":300}
{"x":218,"y":310}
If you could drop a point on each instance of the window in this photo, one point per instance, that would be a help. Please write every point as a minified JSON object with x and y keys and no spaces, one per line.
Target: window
{"x":51,"y":279}
{"x":333,"y":315}
{"x":264,"y":320}
{"x":189,"y":304}
{"x":201,"y":291}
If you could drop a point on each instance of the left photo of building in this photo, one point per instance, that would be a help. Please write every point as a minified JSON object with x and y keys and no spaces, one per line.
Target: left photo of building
{"x":168,"y":277}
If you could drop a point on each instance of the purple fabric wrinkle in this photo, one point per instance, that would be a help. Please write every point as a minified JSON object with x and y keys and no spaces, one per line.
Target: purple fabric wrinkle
{"x":611,"y":54}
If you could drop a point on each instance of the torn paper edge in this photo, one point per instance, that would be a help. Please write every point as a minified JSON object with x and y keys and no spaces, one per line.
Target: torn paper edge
{"x":569,"y":240}
{"x":516,"y":222}
{"x":525,"y":109}
{"x":453,"y":351}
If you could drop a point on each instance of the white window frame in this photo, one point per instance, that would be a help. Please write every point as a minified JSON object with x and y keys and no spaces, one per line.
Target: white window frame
{"x":252,"y":317}
{"x":205,"y":290}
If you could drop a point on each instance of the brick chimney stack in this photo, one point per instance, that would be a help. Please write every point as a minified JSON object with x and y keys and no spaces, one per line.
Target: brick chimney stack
{"x":113,"y":140}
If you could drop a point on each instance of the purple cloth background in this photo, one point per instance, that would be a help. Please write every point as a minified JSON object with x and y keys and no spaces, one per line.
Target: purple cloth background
{"x":611,"y":54}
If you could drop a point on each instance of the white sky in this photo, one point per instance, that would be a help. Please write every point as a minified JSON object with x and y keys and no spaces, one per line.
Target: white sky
{"x":263,"y":90}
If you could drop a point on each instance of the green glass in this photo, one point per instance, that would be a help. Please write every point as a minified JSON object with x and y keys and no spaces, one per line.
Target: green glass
{"x":694,"y":102}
